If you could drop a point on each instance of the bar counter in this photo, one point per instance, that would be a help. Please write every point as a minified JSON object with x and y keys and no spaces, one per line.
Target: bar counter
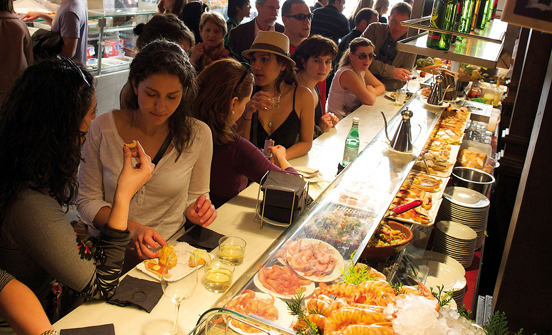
{"x":236,"y":217}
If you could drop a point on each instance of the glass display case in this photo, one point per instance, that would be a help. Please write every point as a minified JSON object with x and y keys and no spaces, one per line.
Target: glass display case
{"x":111,"y":41}
{"x":334,"y":228}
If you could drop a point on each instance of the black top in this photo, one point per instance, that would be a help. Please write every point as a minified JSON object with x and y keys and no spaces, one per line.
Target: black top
{"x":286,"y":135}
{"x":382,"y":19}
{"x":329,"y":22}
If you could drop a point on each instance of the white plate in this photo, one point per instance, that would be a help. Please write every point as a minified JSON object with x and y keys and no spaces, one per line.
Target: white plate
{"x":466,"y":197}
{"x":336,"y":273}
{"x":438,"y":257}
{"x":424,"y":100}
{"x":309,"y":289}
{"x":176,"y":273}
{"x":456,"y":230}
{"x":306,"y":171}
{"x":444,"y":274}
{"x":284,"y":318}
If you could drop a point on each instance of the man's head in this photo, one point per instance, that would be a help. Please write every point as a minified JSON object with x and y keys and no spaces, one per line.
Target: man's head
{"x":297,"y":17}
{"x":339,"y":4}
{"x":268,"y":11}
{"x":399,"y":13}
{"x":364,"y":17}
{"x":237,"y":6}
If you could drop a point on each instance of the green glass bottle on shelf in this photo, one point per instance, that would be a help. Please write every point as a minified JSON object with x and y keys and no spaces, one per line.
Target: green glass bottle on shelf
{"x":351,"y":144}
{"x":442,"y":17}
{"x":466,"y":16}
{"x":482,"y":15}
{"x":489,"y":13}
{"x":476,"y":8}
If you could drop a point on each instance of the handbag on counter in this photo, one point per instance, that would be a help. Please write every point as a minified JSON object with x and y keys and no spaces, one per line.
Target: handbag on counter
{"x":46,"y":44}
{"x":285,"y":196}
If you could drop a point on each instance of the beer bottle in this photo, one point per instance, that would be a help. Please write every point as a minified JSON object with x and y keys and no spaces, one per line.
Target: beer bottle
{"x":476,"y":9}
{"x":482,"y":14}
{"x":443,"y":17}
{"x":466,"y":16}
{"x":457,"y":20}
{"x":351,"y":144}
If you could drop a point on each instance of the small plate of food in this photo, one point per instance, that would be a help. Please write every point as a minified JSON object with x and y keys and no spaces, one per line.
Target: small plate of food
{"x":154,"y":267}
{"x":283,"y":282}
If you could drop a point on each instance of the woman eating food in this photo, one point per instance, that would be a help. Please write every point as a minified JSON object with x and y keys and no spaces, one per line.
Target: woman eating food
{"x":40,"y":145}
{"x":289,"y":121}
{"x":314,"y":57}
{"x":224,"y":90}
{"x":353,"y":84}
{"x":158,"y":116}
{"x":212,"y":29}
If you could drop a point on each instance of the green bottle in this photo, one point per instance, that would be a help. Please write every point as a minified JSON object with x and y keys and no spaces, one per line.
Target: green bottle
{"x":482,"y":14}
{"x":351,"y":144}
{"x":466,"y":17}
{"x":490,"y":9}
{"x":443,"y":17}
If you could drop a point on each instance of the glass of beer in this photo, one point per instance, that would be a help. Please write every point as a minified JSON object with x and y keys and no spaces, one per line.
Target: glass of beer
{"x":232,"y":249}
{"x":218,"y":275}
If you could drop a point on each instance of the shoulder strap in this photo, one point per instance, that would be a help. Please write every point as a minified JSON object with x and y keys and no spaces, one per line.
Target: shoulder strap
{"x":294,"y":91}
{"x":162,"y":150}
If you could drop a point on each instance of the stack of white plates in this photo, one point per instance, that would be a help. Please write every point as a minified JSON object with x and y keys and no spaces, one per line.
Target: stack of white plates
{"x":447,"y":272}
{"x":468,"y":207}
{"x":455,"y":240}
{"x":458,"y":296}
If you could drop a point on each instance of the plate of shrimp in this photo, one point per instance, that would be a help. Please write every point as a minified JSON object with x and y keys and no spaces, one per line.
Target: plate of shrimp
{"x":260,"y":304}
{"x":283,"y":282}
{"x":312,"y":259}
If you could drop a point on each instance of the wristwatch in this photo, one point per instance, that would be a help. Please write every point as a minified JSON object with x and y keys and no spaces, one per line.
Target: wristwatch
{"x":50,"y":332}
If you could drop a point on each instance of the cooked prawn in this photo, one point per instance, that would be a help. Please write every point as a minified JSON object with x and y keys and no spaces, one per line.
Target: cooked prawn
{"x":344,"y":317}
{"x":374,"y":329}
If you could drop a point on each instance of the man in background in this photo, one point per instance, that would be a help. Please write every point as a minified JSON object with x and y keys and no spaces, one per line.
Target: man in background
{"x":319,"y":4}
{"x":237,"y":10}
{"x":243,"y":35}
{"x":297,"y":18}
{"x":329,"y":21}
{"x":363,"y":19}
{"x":391,"y":67}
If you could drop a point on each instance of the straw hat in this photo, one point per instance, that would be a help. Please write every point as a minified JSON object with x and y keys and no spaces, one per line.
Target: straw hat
{"x":272,"y":42}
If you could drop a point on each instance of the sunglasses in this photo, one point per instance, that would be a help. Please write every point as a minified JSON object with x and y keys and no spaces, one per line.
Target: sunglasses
{"x":363,"y":56}
{"x":247,"y":69}
{"x":301,"y":17}
{"x":74,"y":66}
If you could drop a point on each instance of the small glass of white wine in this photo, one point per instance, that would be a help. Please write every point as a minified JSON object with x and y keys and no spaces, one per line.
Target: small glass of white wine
{"x":218,"y":275}
{"x":232,"y":249}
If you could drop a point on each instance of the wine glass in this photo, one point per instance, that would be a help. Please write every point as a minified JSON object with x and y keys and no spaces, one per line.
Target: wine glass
{"x":179,"y":279}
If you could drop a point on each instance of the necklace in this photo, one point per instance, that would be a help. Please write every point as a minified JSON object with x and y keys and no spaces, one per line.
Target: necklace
{"x":269,"y":124}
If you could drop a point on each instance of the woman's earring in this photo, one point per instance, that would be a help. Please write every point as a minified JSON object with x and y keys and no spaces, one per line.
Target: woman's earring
{"x":233,"y":113}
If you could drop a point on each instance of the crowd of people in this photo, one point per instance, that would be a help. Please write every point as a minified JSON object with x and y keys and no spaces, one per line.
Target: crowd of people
{"x":199,"y":103}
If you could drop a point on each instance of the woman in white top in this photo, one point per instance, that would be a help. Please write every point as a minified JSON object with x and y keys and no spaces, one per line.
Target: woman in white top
{"x":163,"y":85}
{"x":353,"y":84}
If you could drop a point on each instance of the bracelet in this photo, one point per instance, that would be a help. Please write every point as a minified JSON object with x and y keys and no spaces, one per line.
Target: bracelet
{"x":50,"y":332}
{"x":246,"y":119}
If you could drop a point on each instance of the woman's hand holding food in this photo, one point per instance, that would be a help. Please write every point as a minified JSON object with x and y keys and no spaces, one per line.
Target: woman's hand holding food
{"x":201,"y":212}
{"x":279,"y":156}
{"x":132,"y":178}
{"x":145,"y":237}
{"x":327,"y":121}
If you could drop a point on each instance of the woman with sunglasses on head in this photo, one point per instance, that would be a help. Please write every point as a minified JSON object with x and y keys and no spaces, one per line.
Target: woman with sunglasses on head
{"x":291,"y":123}
{"x":353,"y":84}
{"x":224,"y":90}
{"x":158,"y":114}
{"x":314,"y":57}
{"x":40,"y":145}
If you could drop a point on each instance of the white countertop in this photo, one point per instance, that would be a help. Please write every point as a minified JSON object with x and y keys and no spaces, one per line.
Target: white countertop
{"x":236,"y":217}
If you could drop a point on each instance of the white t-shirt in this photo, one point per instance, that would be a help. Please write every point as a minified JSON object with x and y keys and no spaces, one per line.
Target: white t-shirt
{"x":341,"y":101}
{"x":161,"y":203}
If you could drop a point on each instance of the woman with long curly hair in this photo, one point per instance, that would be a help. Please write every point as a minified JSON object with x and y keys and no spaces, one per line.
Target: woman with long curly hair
{"x":291,"y":122}
{"x":158,"y":114}
{"x":224,"y":89}
{"x":40,"y":147}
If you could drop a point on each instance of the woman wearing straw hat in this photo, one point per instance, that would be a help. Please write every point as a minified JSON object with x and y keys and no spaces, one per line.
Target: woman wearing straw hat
{"x":290,"y":122}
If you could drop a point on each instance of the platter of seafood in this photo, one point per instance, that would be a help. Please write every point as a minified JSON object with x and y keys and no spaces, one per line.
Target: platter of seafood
{"x":259,"y":304}
{"x":312,"y":259}
{"x":282,"y":282}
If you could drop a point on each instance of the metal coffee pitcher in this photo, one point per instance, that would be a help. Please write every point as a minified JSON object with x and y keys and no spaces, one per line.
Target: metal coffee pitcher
{"x":437,"y":94}
{"x":402,"y":140}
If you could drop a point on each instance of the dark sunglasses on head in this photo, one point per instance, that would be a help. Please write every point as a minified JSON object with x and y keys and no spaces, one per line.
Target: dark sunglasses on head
{"x":301,"y":17}
{"x":363,"y":56}
{"x":247,"y":69}
{"x":74,"y":66}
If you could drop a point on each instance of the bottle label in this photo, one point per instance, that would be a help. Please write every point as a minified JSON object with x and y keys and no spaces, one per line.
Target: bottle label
{"x":432,"y":36}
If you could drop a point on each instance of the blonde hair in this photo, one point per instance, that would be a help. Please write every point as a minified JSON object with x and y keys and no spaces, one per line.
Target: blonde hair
{"x":361,"y":4}
{"x":214,"y":18}
{"x":381,"y":4}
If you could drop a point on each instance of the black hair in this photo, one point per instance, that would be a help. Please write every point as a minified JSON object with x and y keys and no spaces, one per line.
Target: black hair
{"x":314,"y":46}
{"x":365,"y":14}
{"x":164,"y":57}
{"x":166,"y":26}
{"x":232,"y":4}
{"x":286,"y":7}
{"x":191,"y":15}
{"x":40,"y":136}
{"x":6,"y":6}
{"x":401,"y":8}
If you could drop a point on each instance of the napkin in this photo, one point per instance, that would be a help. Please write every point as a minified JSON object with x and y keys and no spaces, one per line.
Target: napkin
{"x":201,"y":237}
{"x":141,"y":293}
{"x":108,"y":329}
